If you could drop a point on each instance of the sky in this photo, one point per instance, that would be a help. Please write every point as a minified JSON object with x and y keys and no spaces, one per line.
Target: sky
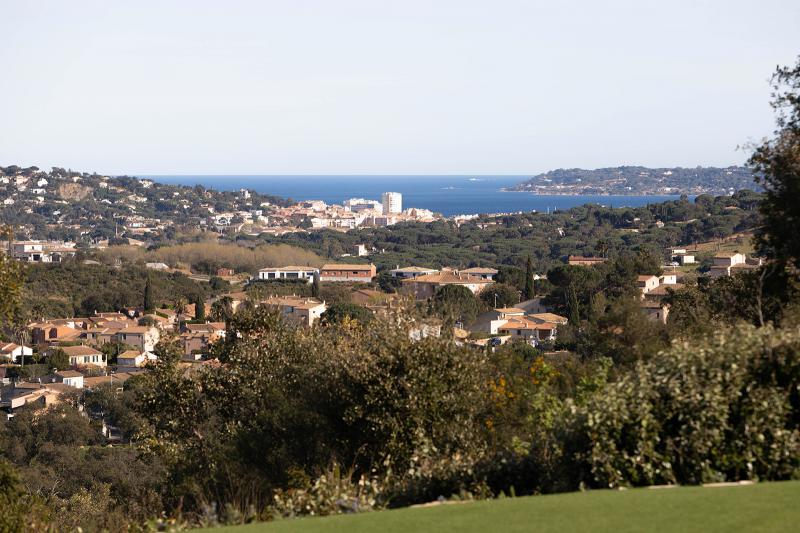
{"x":387,"y":87}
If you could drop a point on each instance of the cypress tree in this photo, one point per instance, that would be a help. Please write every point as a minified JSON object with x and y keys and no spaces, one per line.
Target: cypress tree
{"x":315,"y":286}
{"x":149,"y":303}
{"x":199,"y":307}
{"x":574,"y":307}
{"x":529,"y":291}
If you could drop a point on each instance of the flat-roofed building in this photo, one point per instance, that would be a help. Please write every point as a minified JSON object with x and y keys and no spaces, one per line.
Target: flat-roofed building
{"x":306,"y":273}
{"x":347,"y":272}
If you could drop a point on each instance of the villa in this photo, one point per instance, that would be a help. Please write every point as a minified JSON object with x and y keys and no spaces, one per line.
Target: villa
{"x":289,"y":273}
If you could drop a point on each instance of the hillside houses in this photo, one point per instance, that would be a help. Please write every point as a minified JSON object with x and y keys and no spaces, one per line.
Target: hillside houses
{"x":731,"y":263}
{"x":516,"y":323}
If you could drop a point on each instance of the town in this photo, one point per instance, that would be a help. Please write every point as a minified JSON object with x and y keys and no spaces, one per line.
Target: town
{"x":42,"y":204}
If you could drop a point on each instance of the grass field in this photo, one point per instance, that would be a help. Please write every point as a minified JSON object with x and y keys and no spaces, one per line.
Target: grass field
{"x":761,"y":507}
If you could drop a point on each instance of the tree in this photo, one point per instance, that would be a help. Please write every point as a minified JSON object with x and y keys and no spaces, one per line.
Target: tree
{"x":315,"y":286}
{"x":222,"y":309}
{"x":17,"y":510}
{"x":58,"y":360}
{"x":500,"y":295}
{"x":573,"y":306}
{"x":777,"y":166}
{"x":10,"y":286}
{"x":337,"y":312}
{"x":199,"y":307}
{"x":529,"y":291}
{"x":456,"y":303}
{"x":149,"y":302}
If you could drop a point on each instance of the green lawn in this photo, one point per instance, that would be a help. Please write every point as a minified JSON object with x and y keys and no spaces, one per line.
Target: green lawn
{"x":762,"y":507}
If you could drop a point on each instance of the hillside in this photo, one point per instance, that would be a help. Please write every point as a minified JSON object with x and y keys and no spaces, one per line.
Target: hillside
{"x":63,"y":204}
{"x":641,"y":180}
{"x":762,"y":507}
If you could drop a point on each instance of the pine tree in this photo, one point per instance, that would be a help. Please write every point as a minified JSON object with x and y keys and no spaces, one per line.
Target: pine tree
{"x":149,"y":303}
{"x":529,"y":291}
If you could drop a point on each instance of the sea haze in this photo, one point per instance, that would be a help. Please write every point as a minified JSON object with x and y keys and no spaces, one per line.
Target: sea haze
{"x":449,"y":195}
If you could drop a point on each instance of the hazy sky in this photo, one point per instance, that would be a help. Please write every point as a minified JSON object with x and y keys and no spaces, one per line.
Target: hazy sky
{"x":406,"y":86}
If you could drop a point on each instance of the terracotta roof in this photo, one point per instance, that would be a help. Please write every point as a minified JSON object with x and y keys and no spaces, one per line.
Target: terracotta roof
{"x":479,"y":270}
{"x":508,"y":310}
{"x":646,"y":277}
{"x":292,"y":301}
{"x":662,"y":289}
{"x":136,"y":329}
{"x":119,"y":377}
{"x":447,"y":278}
{"x":414,"y":269}
{"x":69,"y":374}
{"x":550,"y":317}
{"x":524,"y":323}
{"x":80,"y":350}
{"x":210,"y":327}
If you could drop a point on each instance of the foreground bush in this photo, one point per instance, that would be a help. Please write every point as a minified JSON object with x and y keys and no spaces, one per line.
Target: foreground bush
{"x":716,"y":409}
{"x":284,"y":403}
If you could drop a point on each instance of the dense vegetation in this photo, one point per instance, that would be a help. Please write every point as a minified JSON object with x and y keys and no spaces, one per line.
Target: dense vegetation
{"x":208,"y":256}
{"x":546,"y":238}
{"x":77,"y":289}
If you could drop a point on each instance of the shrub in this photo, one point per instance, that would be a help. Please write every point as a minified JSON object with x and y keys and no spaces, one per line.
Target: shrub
{"x":721,"y":408}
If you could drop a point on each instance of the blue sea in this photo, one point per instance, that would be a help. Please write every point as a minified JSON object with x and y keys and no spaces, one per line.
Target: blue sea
{"x":449,"y":195}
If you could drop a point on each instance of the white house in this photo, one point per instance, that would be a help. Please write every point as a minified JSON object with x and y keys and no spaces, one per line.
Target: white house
{"x":288,"y":272}
{"x":69,"y":377}
{"x":647,"y":283}
{"x":84,"y":355}
{"x":14,"y":352}
{"x":144,"y":338}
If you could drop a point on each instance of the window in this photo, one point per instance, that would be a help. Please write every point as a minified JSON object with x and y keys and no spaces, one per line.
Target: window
{"x":270,"y":275}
